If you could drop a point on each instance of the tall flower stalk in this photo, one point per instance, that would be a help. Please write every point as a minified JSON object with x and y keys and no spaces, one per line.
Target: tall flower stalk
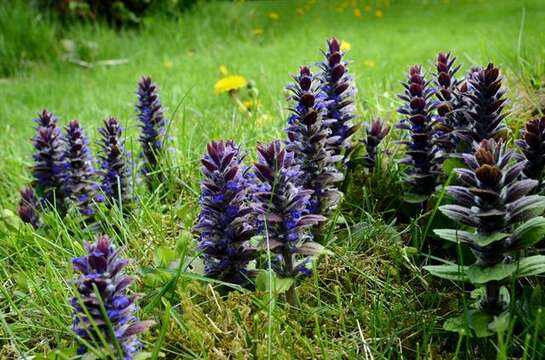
{"x":486,"y":101}
{"x":224,"y":224}
{"x":80,"y":186}
{"x":50,"y":166}
{"x":281,"y":206}
{"x":339,"y":88}
{"x":493,"y":200}
{"x":28,"y":207}
{"x":375,"y":133}
{"x":309,"y":140}
{"x":153,"y":124}
{"x":115,"y":165}
{"x":452,"y":125}
{"x":423,"y":156}
{"x":532,"y":144}
{"x":104,"y":314}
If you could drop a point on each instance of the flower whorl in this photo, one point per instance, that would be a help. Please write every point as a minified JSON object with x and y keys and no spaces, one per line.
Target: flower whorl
{"x":102,"y":281}
{"x":308,"y":140}
{"x":224,"y":226}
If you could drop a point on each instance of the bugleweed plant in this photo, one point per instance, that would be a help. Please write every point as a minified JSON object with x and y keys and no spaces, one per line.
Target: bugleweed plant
{"x":115,"y":164}
{"x":81,"y":186}
{"x":340,"y":90}
{"x":486,"y":100}
{"x":28,"y":207}
{"x":452,"y":125}
{"x":224,"y":224}
{"x":423,"y":158}
{"x":308,"y":140}
{"x":375,"y":133}
{"x":104,"y":314}
{"x":153,"y":124}
{"x":493,"y":200}
{"x":532,"y":145}
{"x":281,"y":207}
{"x":50,"y":167}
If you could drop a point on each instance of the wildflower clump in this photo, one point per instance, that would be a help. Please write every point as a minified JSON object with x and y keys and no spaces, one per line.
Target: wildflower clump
{"x":153,"y":124}
{"x":375,"y":133}
{"x":104,"y":314}
{"x":80,"y":186}
{"x":493,"y":199}
{"x":28,"y":207}
{"x":532,"y":145}
{"x":309,"y":140}
{"x":115,"y":164}
{"x":50,"y":166}
{"x":486,"y":101}
{"x":224,"y":224}
{"x":338,"y":86}
{"x":281,"y":207}
{"x":423,"y":157}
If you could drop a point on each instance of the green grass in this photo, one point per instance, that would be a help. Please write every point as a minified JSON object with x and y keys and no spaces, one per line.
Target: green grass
{"x":368,"y":300}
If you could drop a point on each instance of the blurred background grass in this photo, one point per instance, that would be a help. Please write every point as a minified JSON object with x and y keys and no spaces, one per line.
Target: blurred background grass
{"x":56,"y":61}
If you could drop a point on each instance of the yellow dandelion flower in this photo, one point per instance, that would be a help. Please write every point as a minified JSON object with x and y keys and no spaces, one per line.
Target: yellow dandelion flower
{"x":223,"y":70}
{"x":263,"y":119}
{"x":230,"y":83}
{"x":250,"y":104}
{"x":300,"y":12}
{"x":167,"y":63}
{"x":369,"y":63}
{"x":345,"y":46}
{"x":274,"y":16}
{"x":367,"y":8}
{"x":257,"y":31}
{"x":379,"y":13}
{"x":357,"y":12}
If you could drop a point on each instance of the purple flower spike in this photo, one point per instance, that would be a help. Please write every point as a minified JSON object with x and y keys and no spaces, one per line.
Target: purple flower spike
{"x":49,"y":169}
{"x":486,"y":101}
{"x":224,"y":224}
{"x":423,"y":157}
{"x":281,"y":205}
{"x":376,"y":132}
{"x":28,"y":207}
{"x":102,"y":275}
{"x":493,"y":198}
{"x":153,"y":124}
{"x":115,"y":164}
{"x":80,"y":185}
{"x":339,"y":88}
{"x":452,"y":123}
{"x":309,"y":140}
{"x":532,"y":144}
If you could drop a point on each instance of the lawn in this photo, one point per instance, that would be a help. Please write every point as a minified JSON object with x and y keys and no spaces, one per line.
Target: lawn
{"x":369,"y":298}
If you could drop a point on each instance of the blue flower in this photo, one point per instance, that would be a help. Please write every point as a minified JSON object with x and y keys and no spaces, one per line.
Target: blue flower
{"x":102,"y":268}
{"x":224,"y":224}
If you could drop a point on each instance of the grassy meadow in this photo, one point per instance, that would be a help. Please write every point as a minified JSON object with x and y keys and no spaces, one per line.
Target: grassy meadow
{"x":369,"y":299}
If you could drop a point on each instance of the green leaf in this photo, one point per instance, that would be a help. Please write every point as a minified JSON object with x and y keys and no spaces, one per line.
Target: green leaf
{"x":529,"y":233}
{"x":449,"y":272}
{"x":279,"y":285}
{"x":414,"y":198}
{"x":452,"y":163}
{"x":454,"y":235}
{"x":485,"y":240}
{"x":164,"y":256}
{"x":532,"y":265}
{"x":529,"y":266}
{"x":312,"y":249}
{"x":479,"y":275}
{"x":500,"y":323}
{"x":474,"y":320}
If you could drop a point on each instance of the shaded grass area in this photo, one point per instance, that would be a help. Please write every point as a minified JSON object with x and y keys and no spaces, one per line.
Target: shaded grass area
{"x":368,"y":300}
